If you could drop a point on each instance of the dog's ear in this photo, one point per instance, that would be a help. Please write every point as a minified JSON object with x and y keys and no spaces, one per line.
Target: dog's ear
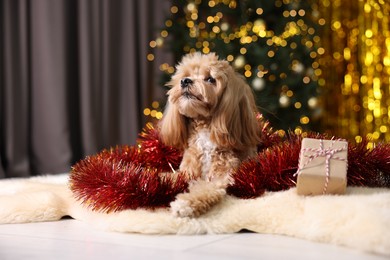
{"x":234,"y":123}
{"x":173,"y":130}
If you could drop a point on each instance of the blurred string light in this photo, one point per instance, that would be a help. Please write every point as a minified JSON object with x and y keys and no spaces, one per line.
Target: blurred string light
{"x":206,"y":31}
{"x":154,"y":112}
{"x":356,"y":66}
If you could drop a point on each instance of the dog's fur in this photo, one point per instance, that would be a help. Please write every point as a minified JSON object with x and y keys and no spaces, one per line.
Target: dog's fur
{"x":211,"y":114}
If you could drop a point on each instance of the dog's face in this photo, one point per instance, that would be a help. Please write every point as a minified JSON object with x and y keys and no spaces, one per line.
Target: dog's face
{"x":198,"y":84}
{"x":209,"y":89}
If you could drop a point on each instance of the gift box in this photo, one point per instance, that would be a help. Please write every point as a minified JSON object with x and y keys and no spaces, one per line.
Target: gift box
{"x":322,"y":167}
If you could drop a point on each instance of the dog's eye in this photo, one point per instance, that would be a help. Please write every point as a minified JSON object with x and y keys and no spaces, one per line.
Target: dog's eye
{"x":210,"y":80}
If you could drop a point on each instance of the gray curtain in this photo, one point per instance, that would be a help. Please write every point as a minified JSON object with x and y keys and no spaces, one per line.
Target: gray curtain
{"x":73,"y":79}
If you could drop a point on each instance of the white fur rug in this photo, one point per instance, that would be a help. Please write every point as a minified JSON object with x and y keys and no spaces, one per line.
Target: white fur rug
{"x":359,"y":219}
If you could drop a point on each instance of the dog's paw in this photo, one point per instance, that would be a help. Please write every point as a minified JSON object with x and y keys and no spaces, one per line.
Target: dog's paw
{"x":182,"y":208}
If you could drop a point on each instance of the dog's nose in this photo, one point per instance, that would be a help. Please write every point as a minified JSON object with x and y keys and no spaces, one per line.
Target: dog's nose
{"x":185,"y":82}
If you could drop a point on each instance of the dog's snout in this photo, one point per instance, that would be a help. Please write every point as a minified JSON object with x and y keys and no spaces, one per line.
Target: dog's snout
{"x":185,"y":82}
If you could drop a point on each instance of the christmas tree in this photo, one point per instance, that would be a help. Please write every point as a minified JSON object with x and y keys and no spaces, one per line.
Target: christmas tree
{"x":272,"y":43}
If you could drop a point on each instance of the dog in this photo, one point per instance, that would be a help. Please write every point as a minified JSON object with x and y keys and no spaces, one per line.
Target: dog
{"x":211,"y":115}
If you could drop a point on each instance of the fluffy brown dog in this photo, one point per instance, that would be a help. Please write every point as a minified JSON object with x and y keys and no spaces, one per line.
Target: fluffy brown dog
{"x":211,"y":114}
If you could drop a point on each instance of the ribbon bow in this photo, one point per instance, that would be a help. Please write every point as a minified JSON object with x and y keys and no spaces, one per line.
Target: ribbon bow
{"x":328,"y":153}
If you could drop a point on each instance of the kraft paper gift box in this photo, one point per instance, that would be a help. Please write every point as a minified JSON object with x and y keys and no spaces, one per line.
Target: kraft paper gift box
{"x":314,"y":176}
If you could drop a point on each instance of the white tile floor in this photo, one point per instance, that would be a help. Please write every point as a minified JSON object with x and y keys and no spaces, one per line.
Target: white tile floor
{"x":71,"y":239}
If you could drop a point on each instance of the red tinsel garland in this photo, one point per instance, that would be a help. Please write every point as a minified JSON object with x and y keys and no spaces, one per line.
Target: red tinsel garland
{"x":271,"y":170}
{"x":156,"y":155}
{"x":369,"y":167}
{"x":110,"y":181}
{"x":129,"y":177}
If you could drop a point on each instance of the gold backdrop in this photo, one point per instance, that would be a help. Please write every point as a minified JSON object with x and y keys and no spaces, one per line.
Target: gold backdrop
{"x":355,"y":68}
